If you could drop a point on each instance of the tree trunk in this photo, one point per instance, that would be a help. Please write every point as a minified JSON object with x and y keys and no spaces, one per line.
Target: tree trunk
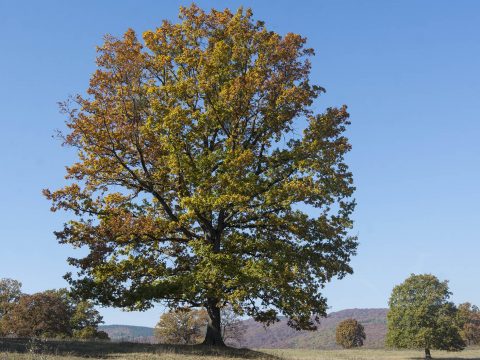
{"x":427,"y":354}
{"x":214,"y":330}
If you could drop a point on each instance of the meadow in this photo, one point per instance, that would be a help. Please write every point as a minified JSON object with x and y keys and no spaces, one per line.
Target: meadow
{"x":26,"y":349}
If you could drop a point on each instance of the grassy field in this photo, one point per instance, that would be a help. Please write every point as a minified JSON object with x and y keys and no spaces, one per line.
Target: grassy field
{"x":368,"y":354}
{"x":25,"y":349}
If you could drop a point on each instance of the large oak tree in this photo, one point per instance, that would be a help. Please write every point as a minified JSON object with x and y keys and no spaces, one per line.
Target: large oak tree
{"x":194,"y":184}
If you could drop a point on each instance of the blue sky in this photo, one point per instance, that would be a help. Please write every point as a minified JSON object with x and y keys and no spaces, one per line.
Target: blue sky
{"x":408,"y":70}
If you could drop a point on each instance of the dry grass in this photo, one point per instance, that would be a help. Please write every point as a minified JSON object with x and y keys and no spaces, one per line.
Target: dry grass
{"x":25,"y":349}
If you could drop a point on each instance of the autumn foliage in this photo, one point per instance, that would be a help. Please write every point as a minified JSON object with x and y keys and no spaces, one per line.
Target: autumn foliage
{"x":350,"y":334}
{"x":193,"y":175}
{"x":47,"y":314}
{"x":469,"y":321}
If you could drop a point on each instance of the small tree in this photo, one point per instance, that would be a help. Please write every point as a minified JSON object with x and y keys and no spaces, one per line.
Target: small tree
{"x":182,"y":326}
{"x":421,"y":316}
{"x":350,"y":334}
{"x":469,"y":322}
{"x":85,"y":320}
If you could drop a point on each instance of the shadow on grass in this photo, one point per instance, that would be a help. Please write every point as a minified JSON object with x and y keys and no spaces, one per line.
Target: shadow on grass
{"x":104,"y":348}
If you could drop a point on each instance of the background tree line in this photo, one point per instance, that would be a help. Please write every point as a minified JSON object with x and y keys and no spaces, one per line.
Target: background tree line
{"x":57,"y":314}
{"x":47,"y":314}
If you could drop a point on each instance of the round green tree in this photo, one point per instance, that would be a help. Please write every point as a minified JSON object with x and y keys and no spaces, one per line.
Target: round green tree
{"x":421,"y":317}
{"x":350,"y":334}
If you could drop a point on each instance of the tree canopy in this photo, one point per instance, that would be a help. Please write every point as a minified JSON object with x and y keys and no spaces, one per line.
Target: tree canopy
{"x":194,"y":183}
{"x":350,"y":334}
{"x":421,"y":316}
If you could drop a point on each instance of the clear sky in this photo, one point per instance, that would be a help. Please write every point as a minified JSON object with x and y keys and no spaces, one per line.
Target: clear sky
{"x":408,"y":70}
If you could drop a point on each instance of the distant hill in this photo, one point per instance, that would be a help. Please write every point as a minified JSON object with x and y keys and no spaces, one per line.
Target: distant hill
{"x":279,"y":335}
{"x":129,"y":333}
